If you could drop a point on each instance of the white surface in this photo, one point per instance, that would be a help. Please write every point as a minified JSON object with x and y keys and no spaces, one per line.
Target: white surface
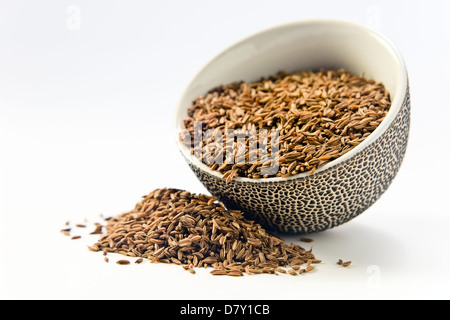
{"x":86,"y":106}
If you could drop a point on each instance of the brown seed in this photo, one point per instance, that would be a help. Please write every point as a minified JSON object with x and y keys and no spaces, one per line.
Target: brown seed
{"x":94,"y":248}
{"x":76,"y":237}
{"x":254,"y":242}
{"x":346,"y":264}
{"x":139,"y":261}
{"x":280,"y":270}
{"x":219,"y":272}
{"x":97,"y":230}
{"x":292,"y":272}
{"x":235,"y":273}
{"x":185,"y":242}
{"x":310,"y":268}
{"x":66,"y":232}
{"x":123,"y":262}
{"x":307,"y":240}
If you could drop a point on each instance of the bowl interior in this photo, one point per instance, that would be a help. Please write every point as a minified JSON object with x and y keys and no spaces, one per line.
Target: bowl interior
{"x":305,"y":45}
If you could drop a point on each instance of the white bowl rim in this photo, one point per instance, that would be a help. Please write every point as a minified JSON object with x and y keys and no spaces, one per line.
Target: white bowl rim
{"x":396,"y":105}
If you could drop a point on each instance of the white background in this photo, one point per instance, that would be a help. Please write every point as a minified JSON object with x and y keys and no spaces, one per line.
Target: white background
{"x":87,"y":95}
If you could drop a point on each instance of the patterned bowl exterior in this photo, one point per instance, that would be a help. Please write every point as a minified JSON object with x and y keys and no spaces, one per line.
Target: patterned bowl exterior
{"x":326,"y":199}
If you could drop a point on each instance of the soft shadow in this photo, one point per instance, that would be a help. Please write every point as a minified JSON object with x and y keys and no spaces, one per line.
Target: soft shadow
{"x":360,"y":243}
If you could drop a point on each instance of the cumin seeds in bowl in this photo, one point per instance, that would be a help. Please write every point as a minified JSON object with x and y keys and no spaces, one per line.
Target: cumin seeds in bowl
{"x":317,"y":116}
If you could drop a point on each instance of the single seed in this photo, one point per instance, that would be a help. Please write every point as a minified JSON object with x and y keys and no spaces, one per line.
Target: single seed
{"x":97,"y":230}
{"x":235,"y":273}
{"x":94,"y":248}
{"x":292,"y":272}
{"x":219,"y":272}
{"x":346,"y":264}
{"x":66,"y":232}
{"x":310,"y":268}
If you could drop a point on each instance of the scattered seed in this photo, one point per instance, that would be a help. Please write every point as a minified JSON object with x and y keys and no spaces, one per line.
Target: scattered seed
{"x":98,"y":230}
{"x":307,"y":240}
{"x":123,"y":262}
{"x":66,"y":232}
{"x":346,"y":264}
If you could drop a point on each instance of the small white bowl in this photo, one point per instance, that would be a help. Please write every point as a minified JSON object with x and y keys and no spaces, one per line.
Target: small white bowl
{"x":345,"y":187}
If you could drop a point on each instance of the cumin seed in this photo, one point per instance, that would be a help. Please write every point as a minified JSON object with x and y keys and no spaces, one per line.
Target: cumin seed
{"x":319,"y":117}
{"x":196,"y":230}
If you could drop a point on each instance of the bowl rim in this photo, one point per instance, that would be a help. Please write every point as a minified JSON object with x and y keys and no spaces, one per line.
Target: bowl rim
{"x":396,"y":105}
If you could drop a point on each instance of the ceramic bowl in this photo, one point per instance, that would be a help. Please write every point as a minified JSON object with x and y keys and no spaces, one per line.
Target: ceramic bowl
{"x":345,"y":187}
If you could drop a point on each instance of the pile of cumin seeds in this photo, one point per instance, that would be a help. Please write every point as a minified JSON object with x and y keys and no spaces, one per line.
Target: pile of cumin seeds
{"x":175,"y":226}
{"x":319,"y":116}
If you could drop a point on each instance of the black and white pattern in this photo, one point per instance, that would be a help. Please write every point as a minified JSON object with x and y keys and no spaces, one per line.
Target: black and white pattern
{"x":326,"y":199}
